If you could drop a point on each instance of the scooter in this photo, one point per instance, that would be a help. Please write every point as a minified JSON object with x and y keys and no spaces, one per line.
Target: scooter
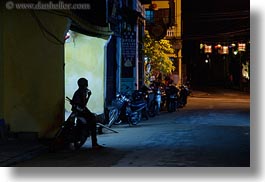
{"x":183,"y":94}
{"x":172,"y":93}
{"x":136,"y":108}
{"x":73,"y":133}
{"x":154,"y":101}
{"x":125,"y":109}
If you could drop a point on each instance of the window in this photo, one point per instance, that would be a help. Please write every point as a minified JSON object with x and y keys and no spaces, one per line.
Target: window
{"x":149,"y":14}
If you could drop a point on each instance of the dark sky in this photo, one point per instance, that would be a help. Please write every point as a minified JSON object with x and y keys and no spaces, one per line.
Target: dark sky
{"x":212,"y":19}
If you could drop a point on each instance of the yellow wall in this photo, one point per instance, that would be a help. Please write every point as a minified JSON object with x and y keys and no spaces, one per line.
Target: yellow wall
{"x":33,"y":72}
{"x":84,"y":57}
{"x":178,"y":17}
{"x":160,"y":4}
{"x":1,"y":68}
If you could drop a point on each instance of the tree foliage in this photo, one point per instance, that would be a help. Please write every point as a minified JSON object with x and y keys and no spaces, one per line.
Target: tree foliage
{"x":156,"y":56}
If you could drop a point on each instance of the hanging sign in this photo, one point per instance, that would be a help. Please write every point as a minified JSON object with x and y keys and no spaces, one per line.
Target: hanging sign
{"x":225,"y":50}
{"x":207,"y":49}
{"x":241,"y":47}
{"x":128,"y":44}
{"x":129,"y":48}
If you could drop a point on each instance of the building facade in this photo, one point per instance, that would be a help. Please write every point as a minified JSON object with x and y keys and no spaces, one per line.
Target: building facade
{"x":164,"y":21}
{"x":43,"y":53}
{"x":32,"y":59}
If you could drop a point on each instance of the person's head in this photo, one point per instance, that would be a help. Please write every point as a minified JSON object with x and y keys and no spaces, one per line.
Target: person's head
{"x":82,"y":83}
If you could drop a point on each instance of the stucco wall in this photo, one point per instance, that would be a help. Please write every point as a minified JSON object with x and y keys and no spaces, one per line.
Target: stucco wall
{"x":1,"y":68}
{"x":84,"y":57}
{"x":33,"y":71}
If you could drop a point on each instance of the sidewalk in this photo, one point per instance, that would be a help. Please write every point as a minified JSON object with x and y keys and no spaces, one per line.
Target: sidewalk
{"x":13,"y":150}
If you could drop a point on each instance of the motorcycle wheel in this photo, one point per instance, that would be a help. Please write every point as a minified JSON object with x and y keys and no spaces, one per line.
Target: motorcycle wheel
{"x":117,"y":122}
{"x":113,"y":116}
{"x":137,"y":119}
{"x":61,"y":138}
{"x":171,"y":106}
{"x":163,"y":106}
{"x":152,"y":110}
{"x":81,"y":135}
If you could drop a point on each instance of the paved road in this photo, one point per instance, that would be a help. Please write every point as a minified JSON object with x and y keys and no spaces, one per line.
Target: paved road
{"x":212,"y":130}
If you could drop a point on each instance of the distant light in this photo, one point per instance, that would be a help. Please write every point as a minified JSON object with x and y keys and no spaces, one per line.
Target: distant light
{"x":225,"y":50}
{"x":235,"y":52}
{"x":201,"y":46}
{"x":241,"y":47}
{"x":206,"y":61}
{"x":207,"y":49}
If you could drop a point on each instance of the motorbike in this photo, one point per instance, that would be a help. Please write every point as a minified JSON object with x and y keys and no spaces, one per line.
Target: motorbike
{"x":154,"y":100}
{"x":113,"y":112}
{"x":73,"y":132}
{"x":176,"y":97}
{"x":183,"y":95}
{"x":163,"y":103}
{"x":172,"y":94}
{"x":137,"y":107}
{"x":127,"y":109}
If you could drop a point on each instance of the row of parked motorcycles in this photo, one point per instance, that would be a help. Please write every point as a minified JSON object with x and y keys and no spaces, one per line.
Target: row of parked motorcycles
{"x":125,"y":108}
{"x":146,"y":102}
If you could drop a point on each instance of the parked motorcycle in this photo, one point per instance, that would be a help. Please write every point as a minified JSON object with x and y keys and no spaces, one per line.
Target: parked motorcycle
{"x":126,"y":109}
{"x":114,"y":111}
{"x":138,"y":107}
{"x":154,"y":100}
{"x":183,"y":95}
{"x":163,"y":104}
{"x":172,"y":94}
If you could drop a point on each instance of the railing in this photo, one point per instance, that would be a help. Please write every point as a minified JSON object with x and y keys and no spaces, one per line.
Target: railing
{"x":171,"y":32}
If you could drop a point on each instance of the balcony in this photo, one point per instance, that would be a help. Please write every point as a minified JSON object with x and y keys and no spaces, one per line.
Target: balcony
{"x":172,"y":33}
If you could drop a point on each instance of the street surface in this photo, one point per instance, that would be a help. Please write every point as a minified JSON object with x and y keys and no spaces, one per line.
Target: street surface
{"x":212,"y":130}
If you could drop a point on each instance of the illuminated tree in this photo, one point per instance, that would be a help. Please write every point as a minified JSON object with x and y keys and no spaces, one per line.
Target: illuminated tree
{"x":156,"y":56}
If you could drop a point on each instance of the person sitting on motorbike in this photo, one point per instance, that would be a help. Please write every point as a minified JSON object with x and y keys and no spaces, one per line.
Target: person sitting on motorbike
{"x":79,"y":102}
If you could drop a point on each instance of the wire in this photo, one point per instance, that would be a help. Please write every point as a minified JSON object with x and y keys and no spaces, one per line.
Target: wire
{"x":217,"y":16}
{"x":224,"y":35}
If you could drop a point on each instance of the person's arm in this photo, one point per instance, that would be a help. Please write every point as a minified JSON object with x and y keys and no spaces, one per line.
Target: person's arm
{"x":88,"y":94}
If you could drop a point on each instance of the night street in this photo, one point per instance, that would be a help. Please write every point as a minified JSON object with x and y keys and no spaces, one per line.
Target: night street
{"x":170,"y":86}
{"x":212,"y":130}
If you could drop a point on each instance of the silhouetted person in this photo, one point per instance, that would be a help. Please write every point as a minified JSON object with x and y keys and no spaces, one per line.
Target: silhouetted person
{"x":80,"y":99}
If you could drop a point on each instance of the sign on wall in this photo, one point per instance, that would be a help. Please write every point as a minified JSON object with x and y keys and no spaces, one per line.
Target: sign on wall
{"x":128,"y":53}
